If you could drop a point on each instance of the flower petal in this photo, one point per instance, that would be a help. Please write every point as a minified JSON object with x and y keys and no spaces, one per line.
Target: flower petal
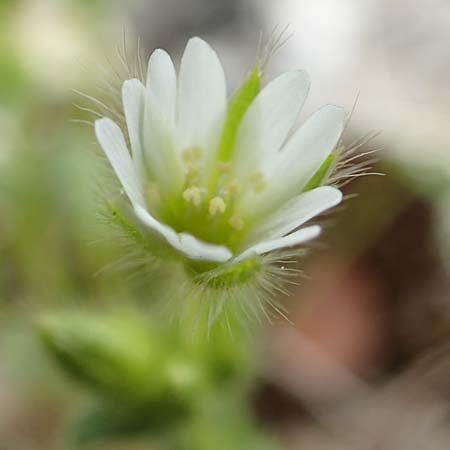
{"x":111,"y":139}
{"x":296,"y":212}
{"x":310,"y":146}
{"x":296,"y":238}
{"x":133,"y":105}
{"x":202,"y":100}
{"x":269,"y":119}
{"x":160,"y":149}
{"x":288,"y":173}
{"x":167,"y":232}
{"x":185,"y":243}
{"x":162,"y":81}
{"x":196,"y":249}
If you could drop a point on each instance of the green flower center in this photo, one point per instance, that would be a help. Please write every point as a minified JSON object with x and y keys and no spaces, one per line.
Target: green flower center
{"x":209,"y":215}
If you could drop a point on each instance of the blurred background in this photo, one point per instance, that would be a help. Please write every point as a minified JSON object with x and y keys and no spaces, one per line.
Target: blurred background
{"x":366,"y":362}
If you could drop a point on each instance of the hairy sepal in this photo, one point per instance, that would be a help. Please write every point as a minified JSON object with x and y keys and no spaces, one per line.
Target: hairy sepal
{"x":144,"y":239}
{"x":236,"y":295}
{"x":323,"y":173}
{"x":237,"y":108}
{"x":206,"y":294}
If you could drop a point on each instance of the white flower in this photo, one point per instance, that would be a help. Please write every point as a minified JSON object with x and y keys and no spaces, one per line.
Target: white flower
{"x":221,"y":180}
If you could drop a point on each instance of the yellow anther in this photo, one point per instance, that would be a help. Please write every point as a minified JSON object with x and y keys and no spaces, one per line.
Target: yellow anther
{"x":193,"y":173}
{"x":192,"y":159}
{"x":193,"y":195}
{"x":192,"y":155}
{"x":233,"y":187}
{"x":258,"y":182}
{"x":236,"y":222}
{"x":217,"y":206}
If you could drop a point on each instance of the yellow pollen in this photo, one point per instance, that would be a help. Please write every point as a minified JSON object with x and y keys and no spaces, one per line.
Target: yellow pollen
{"x":192,"y":155}
{"x":217,"y":205}
{"x":193,"y":172}
{"x":192,"y":158}
{"x":236,"y":222}
{"x":193,"y":195}
{"x":233,"y":187}
{"x":258,"y":182}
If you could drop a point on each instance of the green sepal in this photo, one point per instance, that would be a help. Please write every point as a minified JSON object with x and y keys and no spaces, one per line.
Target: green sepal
{"x":237,"y":107}
{"x":145,"y":239}
{"x":322,"y":174}
{"x":121,"y":220}
{"x":233,"y":294}
{"x":226,"y":275}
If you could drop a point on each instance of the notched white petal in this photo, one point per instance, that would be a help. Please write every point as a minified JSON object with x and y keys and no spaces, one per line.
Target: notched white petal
{"x":133,"y":105}
{"x":296,"y":212}
{"x":161,"y":157}
{"x":299,"y":237}
{"x":162,"y":82}
{"x":310,"y":146}
{"x":202,"y":98}
{"x":269,"y":119}
{"x":111,"y":139}
{"x":298,"y":160}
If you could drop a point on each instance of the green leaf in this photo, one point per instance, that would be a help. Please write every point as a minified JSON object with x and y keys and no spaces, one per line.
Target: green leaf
{"x":125,"y":358}
{"x":108,"y":421}
{"x":111,"y":354}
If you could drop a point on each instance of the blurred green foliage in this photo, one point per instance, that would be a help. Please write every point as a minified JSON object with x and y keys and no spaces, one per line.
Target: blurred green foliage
{"x":181,"y":389}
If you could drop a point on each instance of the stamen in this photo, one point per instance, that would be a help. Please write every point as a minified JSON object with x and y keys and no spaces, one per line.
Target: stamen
{"x":192,"y":158}
{"x":217,"y":205}
{"x":233,"y":187}
{"x":193,"y":173}
{"x":192,"y":155}
{"x":236,"y":222}
{"x":258,"y":182}
{"x":193,"y":195}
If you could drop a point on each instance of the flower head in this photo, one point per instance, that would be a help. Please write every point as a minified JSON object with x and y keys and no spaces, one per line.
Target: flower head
{"x":220,"y":180}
